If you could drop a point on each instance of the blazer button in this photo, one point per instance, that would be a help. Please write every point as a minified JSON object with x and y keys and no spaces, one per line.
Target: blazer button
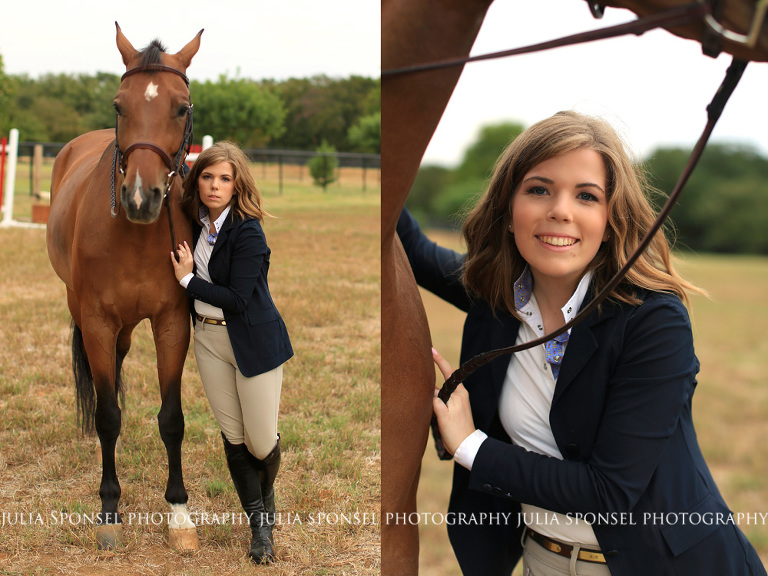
{"x":497,"y":490}
{"x":487,"y":487}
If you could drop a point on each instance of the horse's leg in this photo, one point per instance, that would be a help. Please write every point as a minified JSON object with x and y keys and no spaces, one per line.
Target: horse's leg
{"x":413,"y":31}
{"x":171,"y":332}
{"x":99,"y":337}
{"x":408,"y":378}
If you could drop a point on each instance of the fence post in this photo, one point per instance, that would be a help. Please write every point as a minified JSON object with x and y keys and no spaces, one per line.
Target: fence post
{"x":38,"y":169}
{"x":10,"y":182}
{"x":3,"y":143}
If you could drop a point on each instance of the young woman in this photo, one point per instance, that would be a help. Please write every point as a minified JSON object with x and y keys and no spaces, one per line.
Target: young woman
{"x":582,"y":450}
{"x":241,"y":341}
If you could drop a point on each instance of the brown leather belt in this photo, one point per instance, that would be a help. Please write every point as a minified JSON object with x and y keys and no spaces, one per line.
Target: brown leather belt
{"x":565,"y":550}
{"x":214,"y":321}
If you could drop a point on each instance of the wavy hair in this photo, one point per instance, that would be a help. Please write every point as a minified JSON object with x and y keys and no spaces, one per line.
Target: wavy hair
{"x":493,"y":262}
{"x":246,"y":199}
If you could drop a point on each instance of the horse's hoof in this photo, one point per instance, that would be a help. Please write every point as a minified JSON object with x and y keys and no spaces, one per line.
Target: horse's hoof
{"x":183,"y":539}
{"x":109,"y":536}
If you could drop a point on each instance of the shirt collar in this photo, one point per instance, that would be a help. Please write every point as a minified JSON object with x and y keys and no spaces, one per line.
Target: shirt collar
{"x":523,"y":290}
{"x":219,"y":222}
{"x":525,"y":303}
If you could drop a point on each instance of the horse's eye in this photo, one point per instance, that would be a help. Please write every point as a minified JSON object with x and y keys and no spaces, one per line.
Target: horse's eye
{"x":116,"y":106}
{"x":182,"y":111}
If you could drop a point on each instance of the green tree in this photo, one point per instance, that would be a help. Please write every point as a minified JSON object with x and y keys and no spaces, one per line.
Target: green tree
{"x":240,"y":110}
{"x":322,"y":108}
{"x":365,"y":135}
{"x":322,"y":166}
{"x":429,"y":184}
{"x":481,"y":155}
{"x":6,"y":99}
{"x":723,"y":207}
{"x":440,"y":196}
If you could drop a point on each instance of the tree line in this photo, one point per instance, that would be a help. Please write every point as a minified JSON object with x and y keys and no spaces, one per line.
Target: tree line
{"x":723,"y":208}
{"x":293,"y":114}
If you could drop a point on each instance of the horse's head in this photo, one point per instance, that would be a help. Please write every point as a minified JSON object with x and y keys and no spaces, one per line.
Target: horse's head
{"x":154,"y":121}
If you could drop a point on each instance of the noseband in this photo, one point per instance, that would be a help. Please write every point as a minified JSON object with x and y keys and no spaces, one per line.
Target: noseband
{"x":120,"y":158}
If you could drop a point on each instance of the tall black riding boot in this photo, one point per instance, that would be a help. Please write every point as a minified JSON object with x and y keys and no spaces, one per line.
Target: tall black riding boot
{"x":268,"y":468}
{"x":245,"y":475}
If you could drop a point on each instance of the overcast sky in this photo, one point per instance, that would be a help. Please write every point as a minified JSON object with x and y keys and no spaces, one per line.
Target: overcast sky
{"x":250,"y":38}
{"x":654,"y":88}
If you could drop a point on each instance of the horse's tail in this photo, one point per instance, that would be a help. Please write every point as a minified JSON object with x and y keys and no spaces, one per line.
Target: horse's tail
{"x":84,"y":386}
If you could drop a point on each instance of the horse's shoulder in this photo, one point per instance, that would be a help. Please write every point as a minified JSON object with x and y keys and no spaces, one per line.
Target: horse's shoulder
{"x":85,"y":145}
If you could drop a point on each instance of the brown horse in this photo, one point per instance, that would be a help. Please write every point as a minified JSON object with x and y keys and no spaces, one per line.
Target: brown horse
{"x":412,"y":105}
{"x":418,"y":32}
{"x":114,"y":262}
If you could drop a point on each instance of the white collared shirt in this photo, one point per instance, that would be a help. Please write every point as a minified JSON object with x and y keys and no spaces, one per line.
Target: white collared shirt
{"x":524,"y":406}
{"x":202,"y":257}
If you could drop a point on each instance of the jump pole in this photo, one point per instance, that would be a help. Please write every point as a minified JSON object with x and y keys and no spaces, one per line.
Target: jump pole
{"x":12,"y":152}
{"x":3,"y":143}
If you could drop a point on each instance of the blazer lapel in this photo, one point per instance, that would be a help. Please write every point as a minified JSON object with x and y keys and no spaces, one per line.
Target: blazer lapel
{"x":223,"y":233}
{"x":582,"y":345}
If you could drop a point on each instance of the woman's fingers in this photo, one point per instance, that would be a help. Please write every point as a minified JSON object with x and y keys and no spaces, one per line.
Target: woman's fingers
{"x":442,"y":363}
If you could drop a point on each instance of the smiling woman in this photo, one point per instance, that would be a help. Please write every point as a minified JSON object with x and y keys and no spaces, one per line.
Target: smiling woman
{"x":559,"y":219}
{"x":595,"y":423}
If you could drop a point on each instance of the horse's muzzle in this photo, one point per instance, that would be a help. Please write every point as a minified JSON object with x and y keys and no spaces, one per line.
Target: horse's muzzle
{"x":142,"y":204}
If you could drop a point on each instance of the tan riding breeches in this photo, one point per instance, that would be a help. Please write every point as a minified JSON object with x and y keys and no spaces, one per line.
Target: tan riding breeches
{"x":245,"y":408}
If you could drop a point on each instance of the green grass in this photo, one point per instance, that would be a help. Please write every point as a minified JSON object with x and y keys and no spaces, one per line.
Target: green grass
{"x":325,"y":281}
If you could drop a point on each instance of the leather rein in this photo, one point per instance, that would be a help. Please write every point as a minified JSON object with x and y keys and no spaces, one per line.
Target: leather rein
{"x":674,"y":17}
{"x":120,"y":158}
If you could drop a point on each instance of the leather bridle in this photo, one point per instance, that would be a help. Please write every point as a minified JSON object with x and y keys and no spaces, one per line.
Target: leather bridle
{"x":120,"y":158}
{"x":677,"y":16}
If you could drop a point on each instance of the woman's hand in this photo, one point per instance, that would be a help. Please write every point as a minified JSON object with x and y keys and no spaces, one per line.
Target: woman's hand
{"x":454,"y":418}
{"x":185,"y":263}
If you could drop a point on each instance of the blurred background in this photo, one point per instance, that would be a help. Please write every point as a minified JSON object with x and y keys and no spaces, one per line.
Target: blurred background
{"x":654,"y":89}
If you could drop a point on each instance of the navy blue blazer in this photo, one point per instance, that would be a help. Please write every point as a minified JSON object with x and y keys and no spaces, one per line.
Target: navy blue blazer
{"x":621,"y":417}
{"x":238,"y":268}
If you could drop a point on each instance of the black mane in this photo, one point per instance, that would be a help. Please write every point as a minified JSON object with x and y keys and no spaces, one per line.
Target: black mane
{"x":152,"y":54}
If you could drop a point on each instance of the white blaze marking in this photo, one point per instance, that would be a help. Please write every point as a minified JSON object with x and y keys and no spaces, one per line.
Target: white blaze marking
{"x":179,"y":517}
{"x":151,"y":92}
{"x":137,"y":192}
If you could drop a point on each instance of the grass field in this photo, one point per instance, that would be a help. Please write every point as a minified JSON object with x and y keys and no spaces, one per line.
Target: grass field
{"x":730,"y":405}
{"x":325,"y":279}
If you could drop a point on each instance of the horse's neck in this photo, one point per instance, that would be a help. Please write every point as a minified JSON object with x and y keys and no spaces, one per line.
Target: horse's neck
{"x":413,"y":32}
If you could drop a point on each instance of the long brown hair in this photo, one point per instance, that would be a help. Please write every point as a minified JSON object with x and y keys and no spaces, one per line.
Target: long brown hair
{"x":247,"y":198}
{"x":493,"y":262}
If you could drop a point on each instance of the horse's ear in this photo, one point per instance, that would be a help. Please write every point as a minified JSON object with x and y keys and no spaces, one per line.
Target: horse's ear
{"x":187,"y":53}
{"x":127,"y":51}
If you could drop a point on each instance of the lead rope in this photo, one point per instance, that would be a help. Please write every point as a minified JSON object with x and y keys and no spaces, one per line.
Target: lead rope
{"x":714,"y":110}
{"x":179,"y":161}
{"x":112,"y":197}
{"x":677,"y":16}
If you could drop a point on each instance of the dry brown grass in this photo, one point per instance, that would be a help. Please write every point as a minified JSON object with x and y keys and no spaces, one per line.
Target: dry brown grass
{"x":325,"y":281}
{"x":730,"y":406}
